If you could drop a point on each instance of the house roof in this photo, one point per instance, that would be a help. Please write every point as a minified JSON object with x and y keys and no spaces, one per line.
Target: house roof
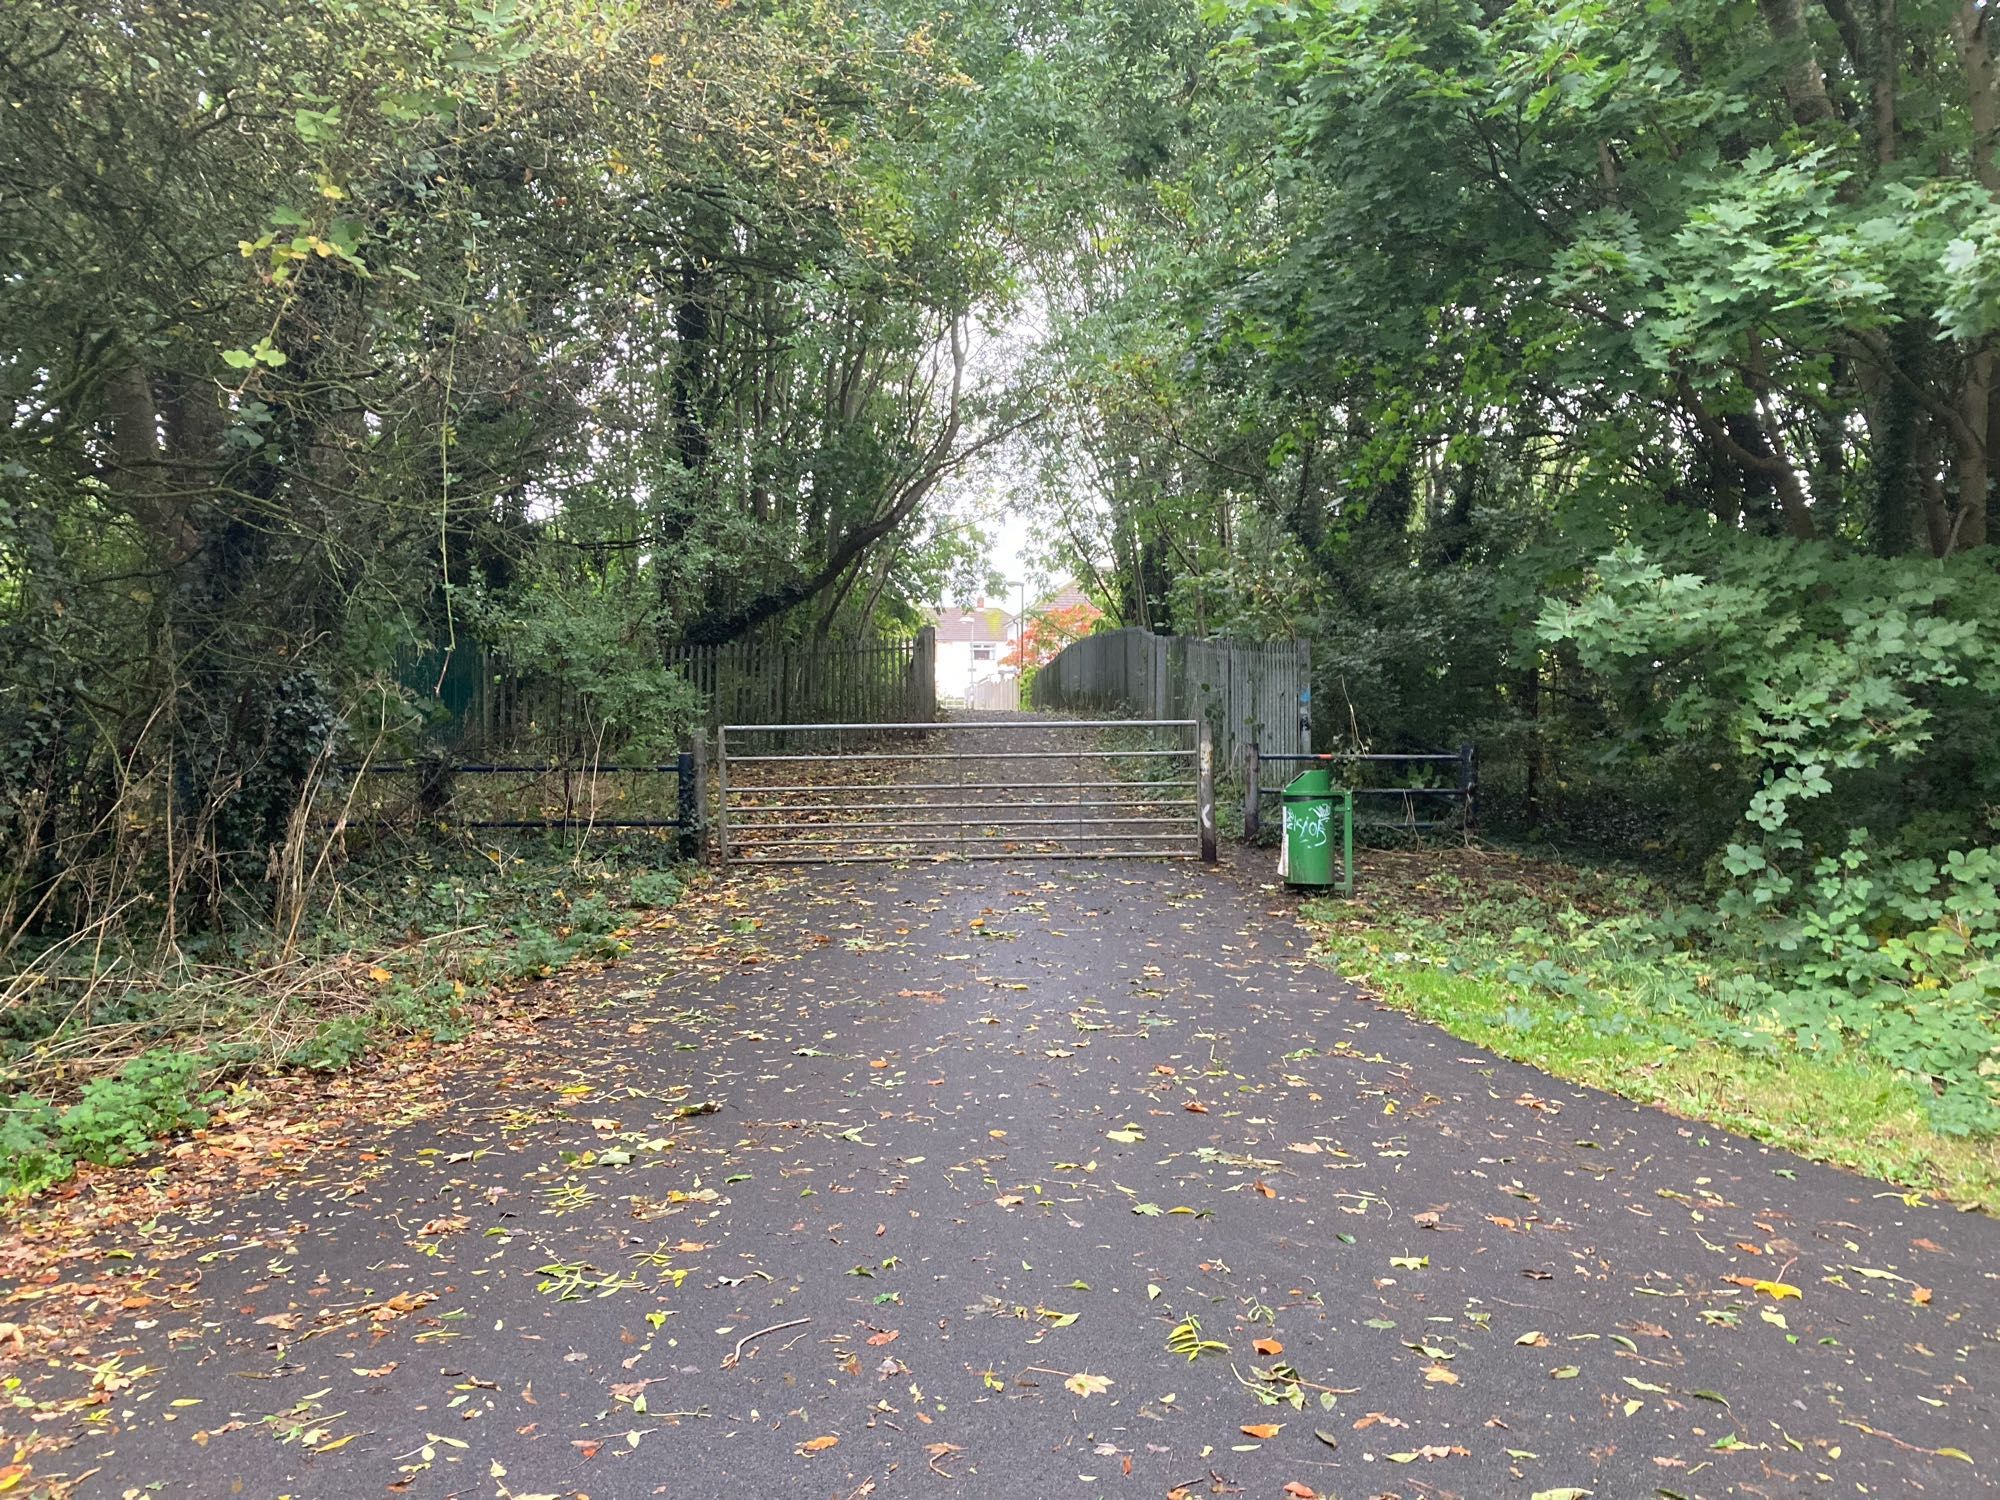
{"x":1068,"y":596}
{"x":987,"y":624}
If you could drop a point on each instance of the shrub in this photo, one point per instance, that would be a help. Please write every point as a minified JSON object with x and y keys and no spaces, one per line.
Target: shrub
{"x":119,"y":1117}
{"x":656,"y":888}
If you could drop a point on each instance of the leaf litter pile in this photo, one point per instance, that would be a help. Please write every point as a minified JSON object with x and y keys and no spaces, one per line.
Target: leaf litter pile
{"x":991,"y":1180}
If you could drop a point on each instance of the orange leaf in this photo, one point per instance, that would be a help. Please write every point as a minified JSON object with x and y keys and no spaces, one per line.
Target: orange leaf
{"x":886,"y":1336}
{"x":878,"y":1063}
{"x":1300,"y":1492}
{"x":1264,"y":1189}
{"x":1267,"y":1346}
{"x":818,"y":1444}
{"x":1261,"y":1429}
{"x":1195,"y":1107}
{"x":1921,"y":1296}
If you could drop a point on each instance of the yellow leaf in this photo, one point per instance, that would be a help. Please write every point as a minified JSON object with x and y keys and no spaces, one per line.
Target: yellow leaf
{"x":1087,"y":1385}
{"x":1777,"y":1289}
{"x":380,"y":975}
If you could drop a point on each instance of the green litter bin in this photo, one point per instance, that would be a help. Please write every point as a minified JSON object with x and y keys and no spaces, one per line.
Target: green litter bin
{"x":1306,"y":850}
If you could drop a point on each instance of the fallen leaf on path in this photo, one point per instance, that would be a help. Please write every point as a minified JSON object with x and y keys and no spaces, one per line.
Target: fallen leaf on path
{"x":1261,"y":1429}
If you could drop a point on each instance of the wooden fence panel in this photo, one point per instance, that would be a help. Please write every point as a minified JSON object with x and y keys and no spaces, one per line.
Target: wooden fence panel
{"x":1246,"y":691}
{"x":870,"y":681}
{"x":481,"y":706}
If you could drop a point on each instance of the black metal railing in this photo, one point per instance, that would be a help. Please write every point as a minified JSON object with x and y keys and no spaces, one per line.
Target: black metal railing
{"x":1463,"y":793}
{"x":568,"y":792}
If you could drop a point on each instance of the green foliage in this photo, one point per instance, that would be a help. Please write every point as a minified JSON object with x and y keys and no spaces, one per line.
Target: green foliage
{"x":118,"y":1118}
{"x":30,"y":1155}
{"x":359,"y":357}
{"x":336,"y":1046}
{"x":655,"y":889}
{"x":114,"y":1120}
{"x":1863,"y":692}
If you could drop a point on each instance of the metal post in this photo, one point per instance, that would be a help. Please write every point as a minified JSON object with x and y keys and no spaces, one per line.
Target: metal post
{"x":701,"y":808}
{"x":687,"y":793}
{"x":722,"y":793}
{"x":1205,"y":789}
{"x":1253,"y":809}
{"x":1347,"y":841}
{"x":1468,"y":788}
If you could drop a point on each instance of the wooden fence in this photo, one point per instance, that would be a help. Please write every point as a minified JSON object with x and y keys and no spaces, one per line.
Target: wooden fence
{"x":830,"y":682}
{"x":1247,"y":692}
{"x":479,"y":705}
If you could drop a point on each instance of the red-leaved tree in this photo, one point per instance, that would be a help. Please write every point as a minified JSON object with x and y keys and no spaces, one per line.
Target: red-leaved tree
{"x":1047,"y":632}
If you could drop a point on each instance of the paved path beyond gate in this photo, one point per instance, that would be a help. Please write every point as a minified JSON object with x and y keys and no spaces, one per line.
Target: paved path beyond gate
{"x":1016,"y":1180}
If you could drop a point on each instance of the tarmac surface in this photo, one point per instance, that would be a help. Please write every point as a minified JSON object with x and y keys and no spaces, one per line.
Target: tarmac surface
{"x":1012,"y":1179}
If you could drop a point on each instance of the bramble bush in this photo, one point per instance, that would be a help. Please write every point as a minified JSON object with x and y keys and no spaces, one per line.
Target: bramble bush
{"x":1858,"y":905}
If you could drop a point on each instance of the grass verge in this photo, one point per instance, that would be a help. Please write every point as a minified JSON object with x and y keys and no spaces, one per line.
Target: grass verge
{"x":1557,"y":966}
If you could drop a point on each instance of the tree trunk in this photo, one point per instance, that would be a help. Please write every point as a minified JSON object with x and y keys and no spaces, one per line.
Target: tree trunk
{"x":1972,"y":467}
{"x":1804,"y":83}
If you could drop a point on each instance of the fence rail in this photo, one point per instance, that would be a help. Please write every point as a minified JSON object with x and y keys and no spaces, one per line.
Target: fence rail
{"x":1464,"y":791}
{"x":538,"y":795}
{"x":1246,"y":693}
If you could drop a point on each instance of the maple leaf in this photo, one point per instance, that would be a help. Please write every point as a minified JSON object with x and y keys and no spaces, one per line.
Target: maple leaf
{"x":818,"y":1444}
{"x":1087,"y":1385}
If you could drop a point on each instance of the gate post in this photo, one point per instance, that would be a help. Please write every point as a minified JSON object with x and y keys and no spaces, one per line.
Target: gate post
{"x":722,"y":792}
{"x":1468,"y":788}
{"x":687,"y":798}
{"x":1204,"y":757}
{"x":1253,"y":810}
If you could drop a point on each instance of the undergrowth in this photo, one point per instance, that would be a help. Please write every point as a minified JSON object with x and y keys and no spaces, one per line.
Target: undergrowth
{"x":103,"y":1054}
{"x":1596,"y":977}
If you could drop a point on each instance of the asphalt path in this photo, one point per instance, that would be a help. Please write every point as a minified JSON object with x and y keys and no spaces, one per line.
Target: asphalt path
{"x":1020,"y":1180}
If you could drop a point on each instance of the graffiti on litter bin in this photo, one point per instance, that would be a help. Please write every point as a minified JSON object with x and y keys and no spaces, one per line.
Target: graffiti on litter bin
{"x":1310,"y":827}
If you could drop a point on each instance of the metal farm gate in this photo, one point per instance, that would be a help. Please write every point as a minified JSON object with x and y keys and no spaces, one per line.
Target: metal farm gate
{"x":972,"y":789}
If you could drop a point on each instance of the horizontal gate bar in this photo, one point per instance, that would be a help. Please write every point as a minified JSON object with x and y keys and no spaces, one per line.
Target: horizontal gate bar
{"x":1036,"y":724}
{"x":971,"y":854}
{"x":791,"y":807}
{"x":1063,"y":838}
{"x":952,"y":786}
{"x":844,"y":757}
{"x":968,"y":823}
